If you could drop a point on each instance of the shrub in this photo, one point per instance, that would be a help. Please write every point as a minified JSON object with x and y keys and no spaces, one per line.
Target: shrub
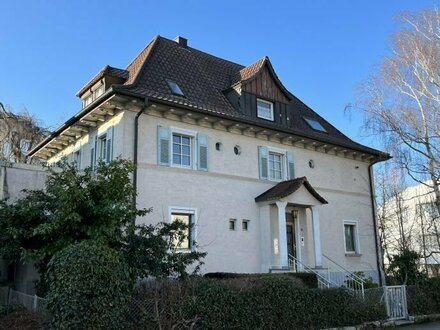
{"x":88,"y":287}
{"x":424,"y":298}
{"x":307,"y":279}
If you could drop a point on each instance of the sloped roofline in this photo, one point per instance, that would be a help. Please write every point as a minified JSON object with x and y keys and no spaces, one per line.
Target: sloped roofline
{"x":286,"y":188}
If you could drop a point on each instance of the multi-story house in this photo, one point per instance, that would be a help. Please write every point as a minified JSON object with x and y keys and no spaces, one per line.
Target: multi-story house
{"x":264,"y":180}
{"x":409,"y":220}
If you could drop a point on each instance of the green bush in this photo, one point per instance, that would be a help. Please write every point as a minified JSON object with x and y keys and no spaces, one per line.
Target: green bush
{"x":274,"y":302}
{"x":424,"y":298}
{"x":308,"y":279}
{"x":88,"y":287}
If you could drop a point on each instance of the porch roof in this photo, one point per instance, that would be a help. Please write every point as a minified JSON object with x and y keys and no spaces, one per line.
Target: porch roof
{"x":285,"y":188}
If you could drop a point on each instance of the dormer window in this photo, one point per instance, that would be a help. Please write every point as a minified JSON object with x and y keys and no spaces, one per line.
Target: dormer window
{"x":98,"y":92}
{"x":264,"y":109}
{"x":314,"y":124}
{"x":174,"y":88}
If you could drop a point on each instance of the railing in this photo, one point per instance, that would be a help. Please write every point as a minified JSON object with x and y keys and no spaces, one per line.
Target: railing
{"x":323,"y":282}
{"x":11,"y":297}
{"x":346,"y":278}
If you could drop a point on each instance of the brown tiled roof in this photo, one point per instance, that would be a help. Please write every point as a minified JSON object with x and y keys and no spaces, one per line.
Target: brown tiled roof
{"x":285,"y":188}
{"x":107,"y":70}
{"x":204,"y":78}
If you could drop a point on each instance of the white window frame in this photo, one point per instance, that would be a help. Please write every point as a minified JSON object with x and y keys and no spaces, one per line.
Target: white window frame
{"x":284,"y":164}
{"x":271,"y":118}
{"x":76,"y":152}
{"x":193,"y":146}
{"x":357,"y":250}
{"x":193,"y":213}
{"x":102,"y":139}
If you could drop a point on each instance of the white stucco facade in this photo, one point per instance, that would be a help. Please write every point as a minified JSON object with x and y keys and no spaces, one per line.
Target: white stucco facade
{"x":226,"y":192}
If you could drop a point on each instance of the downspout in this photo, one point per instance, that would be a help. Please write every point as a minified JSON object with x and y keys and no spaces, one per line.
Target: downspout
{"x":373,"y":204}
{"x":136,"y":139}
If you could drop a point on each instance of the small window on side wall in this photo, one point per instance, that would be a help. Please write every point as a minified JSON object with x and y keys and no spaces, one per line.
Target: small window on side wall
{"x":351,"y":237}
{"x":245,"y":225}
{"x":232,"y":224}
{"x":264,"y":109}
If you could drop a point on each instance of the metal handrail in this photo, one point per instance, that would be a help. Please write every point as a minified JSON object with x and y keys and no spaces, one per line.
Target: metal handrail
{"x":357,"y":282}
{"x":321,"y":279}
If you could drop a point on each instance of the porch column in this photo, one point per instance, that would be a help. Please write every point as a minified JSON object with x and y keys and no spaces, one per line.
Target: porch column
{"x":316,"y":236}
{"x":282,"y":235}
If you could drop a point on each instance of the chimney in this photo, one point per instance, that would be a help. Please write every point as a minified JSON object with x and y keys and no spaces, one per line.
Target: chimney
{"x":181,"y":41}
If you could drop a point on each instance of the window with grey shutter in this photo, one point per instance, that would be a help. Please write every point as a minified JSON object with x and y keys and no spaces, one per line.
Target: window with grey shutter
{"x":163,"y":145}
{"x":290,"y":166}
{"x":109,"y":148}
{"x":262,"y":162}
{"x":93,"y":142}
{"x":202,"y":140}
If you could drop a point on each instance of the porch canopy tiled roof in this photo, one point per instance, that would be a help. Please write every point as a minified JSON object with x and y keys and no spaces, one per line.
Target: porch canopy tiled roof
{"x":205,"y":81}
{"x":285,"y":188}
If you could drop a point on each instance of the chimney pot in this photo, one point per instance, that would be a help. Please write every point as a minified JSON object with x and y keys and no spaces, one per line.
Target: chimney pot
{"x":181,"y":41}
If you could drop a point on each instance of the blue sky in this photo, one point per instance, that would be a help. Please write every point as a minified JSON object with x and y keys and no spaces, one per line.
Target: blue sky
{"x":321,"y":50}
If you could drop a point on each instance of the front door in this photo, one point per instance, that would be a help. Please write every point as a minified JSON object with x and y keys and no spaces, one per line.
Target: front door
{"x":291,"y":246}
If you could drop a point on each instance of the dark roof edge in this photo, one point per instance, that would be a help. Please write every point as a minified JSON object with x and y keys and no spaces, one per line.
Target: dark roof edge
{"x":72,"y":120}
{"x":294,"y":186}
{"x":382,"y":155}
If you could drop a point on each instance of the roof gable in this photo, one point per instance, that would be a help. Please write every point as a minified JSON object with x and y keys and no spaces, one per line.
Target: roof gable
{"x":260,"y":78}
{"x":286,"y":188}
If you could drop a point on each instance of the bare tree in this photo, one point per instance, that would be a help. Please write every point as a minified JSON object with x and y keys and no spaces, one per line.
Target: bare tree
{"x":19,"y":133}
{"x":401,"y":99}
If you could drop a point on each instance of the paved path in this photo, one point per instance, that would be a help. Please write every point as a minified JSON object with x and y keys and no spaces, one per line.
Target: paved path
{"x":423,"y":326}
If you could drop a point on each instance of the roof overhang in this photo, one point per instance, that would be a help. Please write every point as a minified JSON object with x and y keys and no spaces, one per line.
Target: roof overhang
{"x":287,"y":188}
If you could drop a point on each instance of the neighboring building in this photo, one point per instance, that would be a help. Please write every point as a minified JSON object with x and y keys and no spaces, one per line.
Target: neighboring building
{"x":14,"y":178}
{"x":410,"y":220}
{"x":19,"y":133}
{"x":266,"y":182}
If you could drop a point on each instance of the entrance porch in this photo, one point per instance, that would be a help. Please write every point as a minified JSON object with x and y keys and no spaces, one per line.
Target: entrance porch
{"x":290,"y":226}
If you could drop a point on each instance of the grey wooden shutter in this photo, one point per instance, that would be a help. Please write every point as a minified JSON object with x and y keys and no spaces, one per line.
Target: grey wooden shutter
{"x":290,"y":166}
{"x":163,"y":145}
{"x":202,"y":140}
{"x":93,"y":142}
{"x":109,"y":141}
{"x":263,"y":162}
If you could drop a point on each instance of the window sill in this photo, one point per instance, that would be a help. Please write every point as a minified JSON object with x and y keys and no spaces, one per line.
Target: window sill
{"x":353,"y":254}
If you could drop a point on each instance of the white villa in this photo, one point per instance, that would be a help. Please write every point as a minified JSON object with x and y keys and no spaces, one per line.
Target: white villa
{"x":268,"y":184}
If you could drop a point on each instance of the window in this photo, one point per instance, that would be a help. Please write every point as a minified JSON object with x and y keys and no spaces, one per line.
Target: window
{"x":187,"y":216}
{"x":98,"y":92}
{"x":87,"y":100}
{"x":232,"y":224}
{"x":264,"y":109}
{"x":103,"y":147}
{"x":245,"y":225}
{"x":351,"y":237}
{"x":174,"y":88}
{"x":182,"y":150}
{"x":276,"y":166}
{"x":314,"y":124}
{"x":77,"y":159}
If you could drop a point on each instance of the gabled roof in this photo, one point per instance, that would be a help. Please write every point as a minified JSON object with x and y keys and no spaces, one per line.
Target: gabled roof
{"x":285,"y":188}
{"x":205,"y":79}
{"x":105,"y":71}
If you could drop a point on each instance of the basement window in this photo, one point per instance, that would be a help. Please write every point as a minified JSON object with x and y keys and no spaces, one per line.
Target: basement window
{"x":314,"y":124}
{"x":174,"y":88}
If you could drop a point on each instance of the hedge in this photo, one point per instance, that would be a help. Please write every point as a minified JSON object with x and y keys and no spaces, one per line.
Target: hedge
{"x":424,"y":298}
{"x":308,"y":279}
{"x":265,"y":302}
